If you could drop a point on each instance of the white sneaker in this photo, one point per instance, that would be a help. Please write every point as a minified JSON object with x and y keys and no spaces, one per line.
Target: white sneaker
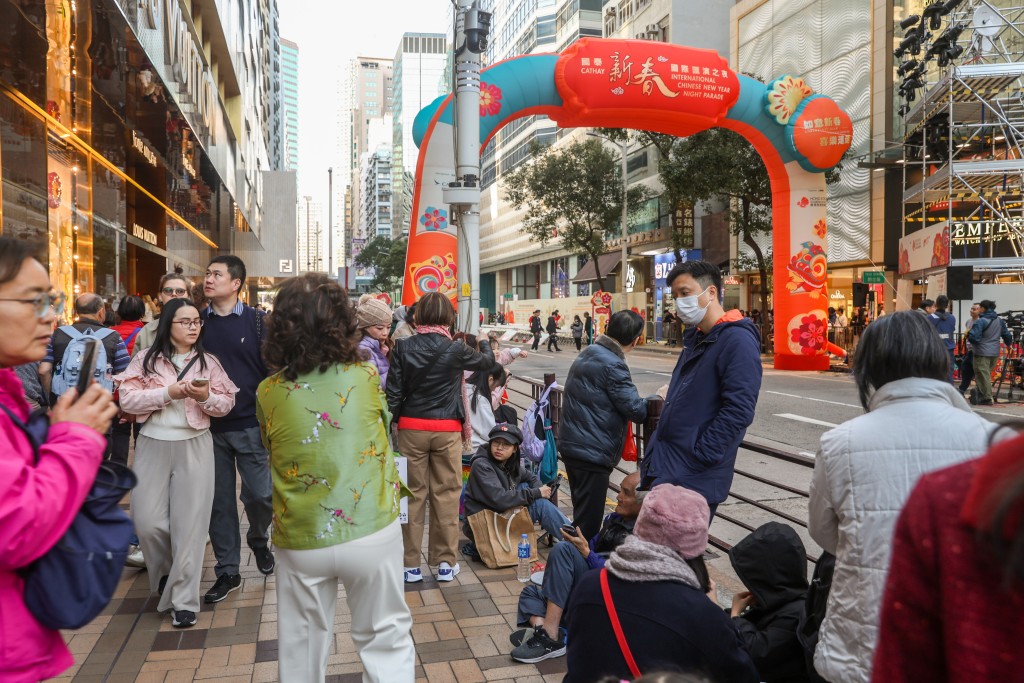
{"x":413,"y":575}
{"x":135,"y":558}
{"x":446,"y":572}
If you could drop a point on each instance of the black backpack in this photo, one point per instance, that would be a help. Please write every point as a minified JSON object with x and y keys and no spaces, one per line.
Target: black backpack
{"x":814,"y":611}
{"x":74,"y":580}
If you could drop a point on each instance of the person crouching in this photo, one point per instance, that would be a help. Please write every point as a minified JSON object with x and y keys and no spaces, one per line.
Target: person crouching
{"x":498,"y":480}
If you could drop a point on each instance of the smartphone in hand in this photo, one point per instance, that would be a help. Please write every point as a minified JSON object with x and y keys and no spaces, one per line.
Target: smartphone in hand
{"x":556,"y":484}
{"x":570,"y":530}
{"x":200,"y":381}
{"x":87,"y":368}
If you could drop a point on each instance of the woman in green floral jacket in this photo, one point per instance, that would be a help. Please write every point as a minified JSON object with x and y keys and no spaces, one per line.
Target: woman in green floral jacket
{"x":336,"y":495}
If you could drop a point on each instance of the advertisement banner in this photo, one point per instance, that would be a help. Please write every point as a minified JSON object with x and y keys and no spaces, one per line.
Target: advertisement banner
{"x":924,"y":249}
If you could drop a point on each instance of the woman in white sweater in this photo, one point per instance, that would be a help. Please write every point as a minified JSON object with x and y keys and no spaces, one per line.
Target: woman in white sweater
{"x":866,"y":468}
{"x":478,"y":388}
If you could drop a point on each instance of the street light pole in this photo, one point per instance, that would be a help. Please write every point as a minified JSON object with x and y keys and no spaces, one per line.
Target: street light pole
{"x":330,"y":224}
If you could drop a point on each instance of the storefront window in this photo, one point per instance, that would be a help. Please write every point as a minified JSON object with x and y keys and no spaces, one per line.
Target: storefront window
{"x":23,"y":203}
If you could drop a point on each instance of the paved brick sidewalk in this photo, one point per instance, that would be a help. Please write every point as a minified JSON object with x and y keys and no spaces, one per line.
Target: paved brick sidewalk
{"x":461,"y":631}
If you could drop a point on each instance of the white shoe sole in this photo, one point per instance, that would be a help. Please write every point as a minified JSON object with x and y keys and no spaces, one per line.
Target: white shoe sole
{"x":412,"y":578}
{"x":450,"y":576}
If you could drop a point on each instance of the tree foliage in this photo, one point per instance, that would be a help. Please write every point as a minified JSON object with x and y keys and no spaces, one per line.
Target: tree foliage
{"x":574,"y":195}
{"x":387,"y":259}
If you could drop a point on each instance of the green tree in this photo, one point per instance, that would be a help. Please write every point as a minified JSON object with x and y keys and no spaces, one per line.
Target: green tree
{"x":575,"y":195}
{"x":387,"y":258}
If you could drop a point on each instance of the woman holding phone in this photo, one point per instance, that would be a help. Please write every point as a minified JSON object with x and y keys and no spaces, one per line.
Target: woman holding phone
{"x":173,"y":388}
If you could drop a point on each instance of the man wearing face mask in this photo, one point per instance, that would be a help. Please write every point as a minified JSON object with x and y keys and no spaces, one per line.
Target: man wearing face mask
{"x":713,"y":391}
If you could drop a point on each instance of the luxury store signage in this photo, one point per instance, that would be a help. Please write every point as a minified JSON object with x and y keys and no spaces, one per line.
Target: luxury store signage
{"x":184,"y":57}
{"x":142,"y":148}
{"x":145,"y":235}
{"x":978,"y":232}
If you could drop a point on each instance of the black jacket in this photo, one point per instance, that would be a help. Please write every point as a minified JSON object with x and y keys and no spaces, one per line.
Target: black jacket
{"x":772,"y":564}
{"x":552,"y":327}
{"x":535,"y":325}
{"x":425,"y":378}
{"x":492,"y":486}
{"x":599,"y":398}
{"x":668,"y":626}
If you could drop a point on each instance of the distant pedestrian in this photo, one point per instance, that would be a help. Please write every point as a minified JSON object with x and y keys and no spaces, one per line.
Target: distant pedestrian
{"x":336,"y":489}
{"x":577,"y":332}
{"x":668,"y":327}
{"x":374,"y":319}
{"x":600,"y":398}
{"x":927,"y":307}
{"x":588,"y":328}
{"x":866,"y":468}
{"x":945,"y":324}
{"x":536,"y":329}
{"x":552,"y":330}
{"x":174,"y":388}
{"x":713,"y":391}
{"x":425,"y":396}
{"x":130,"y":311}
{"x":172,"y":286}
{"x":984,"y":337}
{"x":234,"y":332}
{"x":966,"y":354}
{"x":406,"y":326}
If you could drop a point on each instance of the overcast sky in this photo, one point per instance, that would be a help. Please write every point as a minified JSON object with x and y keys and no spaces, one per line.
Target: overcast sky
{"x":329,"y":34}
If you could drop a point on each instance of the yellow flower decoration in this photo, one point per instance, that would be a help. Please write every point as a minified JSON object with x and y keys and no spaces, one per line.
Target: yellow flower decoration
{"x":784,"y":95}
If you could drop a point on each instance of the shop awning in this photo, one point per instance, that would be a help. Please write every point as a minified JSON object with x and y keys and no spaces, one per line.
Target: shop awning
{"x":608,"y":262}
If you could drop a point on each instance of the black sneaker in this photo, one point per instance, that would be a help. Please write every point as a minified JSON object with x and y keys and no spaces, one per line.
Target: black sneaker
{"x":225,"y":584}
{"x":540,"y":647}
{"x":264,"y":560}
{"x":183,"y":619}
{"x":517,"y":637}
{"x":163,"y":584}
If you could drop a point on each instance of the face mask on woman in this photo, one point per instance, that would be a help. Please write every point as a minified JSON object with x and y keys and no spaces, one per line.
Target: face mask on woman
{"x":689,"y":310}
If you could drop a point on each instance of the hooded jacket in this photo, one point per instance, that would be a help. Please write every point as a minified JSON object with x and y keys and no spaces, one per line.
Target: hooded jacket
{"x":772,"y":564}
{"x":38,"y":502}
{"x":710,"y":403}
{"x":598,"y":400}
{"x":985,"y":334}
{"x":370,"y":349}
{"x":863,"y":473}
{"x":493,"y":486}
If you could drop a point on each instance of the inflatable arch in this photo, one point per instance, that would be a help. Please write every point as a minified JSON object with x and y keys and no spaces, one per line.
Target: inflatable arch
{"x":669,"y":89}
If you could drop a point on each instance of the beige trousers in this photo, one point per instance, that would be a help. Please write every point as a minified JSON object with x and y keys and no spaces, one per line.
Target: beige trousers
{"x":435,"y":475}
{"x":171,"y":506}
{"x":307,"y":593}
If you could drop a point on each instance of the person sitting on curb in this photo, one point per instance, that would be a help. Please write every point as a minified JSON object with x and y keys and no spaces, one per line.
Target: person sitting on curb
{"x":498,"y":480}
{"x":541,"y":607}
{"x":772,"y":564}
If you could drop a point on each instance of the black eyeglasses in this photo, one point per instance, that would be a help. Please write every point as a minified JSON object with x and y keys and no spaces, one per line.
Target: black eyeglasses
{"x":44,"y":302}
{"x":174,"y":291}
{"x":188,"y":324}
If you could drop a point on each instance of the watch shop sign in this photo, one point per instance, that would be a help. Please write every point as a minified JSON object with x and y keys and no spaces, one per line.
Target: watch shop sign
{"x":184,"y":56}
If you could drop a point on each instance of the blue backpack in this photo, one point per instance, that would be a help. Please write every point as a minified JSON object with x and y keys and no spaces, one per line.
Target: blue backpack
{"x":74,"y":580}
{"x":65,"y":374}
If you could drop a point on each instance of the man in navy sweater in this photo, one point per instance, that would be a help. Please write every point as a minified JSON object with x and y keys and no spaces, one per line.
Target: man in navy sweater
{"x":713,"y":392}
{"x":233,"y":332}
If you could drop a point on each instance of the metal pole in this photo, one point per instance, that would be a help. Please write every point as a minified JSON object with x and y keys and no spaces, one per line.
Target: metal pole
{"x":464,"y":194}
{"x":625,"y":221}
{"x":330,"y":223}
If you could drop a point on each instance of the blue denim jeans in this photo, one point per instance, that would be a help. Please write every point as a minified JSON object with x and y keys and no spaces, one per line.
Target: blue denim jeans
{"x":547,"y":514}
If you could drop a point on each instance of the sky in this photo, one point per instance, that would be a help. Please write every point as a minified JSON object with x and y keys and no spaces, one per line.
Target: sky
{"x":330,"y":33}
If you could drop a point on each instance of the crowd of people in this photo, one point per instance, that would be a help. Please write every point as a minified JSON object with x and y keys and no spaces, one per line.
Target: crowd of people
{"x":309,"y":405}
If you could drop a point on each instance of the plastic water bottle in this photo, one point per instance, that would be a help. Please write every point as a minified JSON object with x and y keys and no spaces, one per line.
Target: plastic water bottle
{"x":523,"y":569}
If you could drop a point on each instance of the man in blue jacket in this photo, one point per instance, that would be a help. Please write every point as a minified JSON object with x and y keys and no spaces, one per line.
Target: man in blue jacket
{"x":713,"y":392}
{"x":984,"y":337}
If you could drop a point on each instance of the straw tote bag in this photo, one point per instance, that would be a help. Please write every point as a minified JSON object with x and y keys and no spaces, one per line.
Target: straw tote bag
{"x":497,"y":535}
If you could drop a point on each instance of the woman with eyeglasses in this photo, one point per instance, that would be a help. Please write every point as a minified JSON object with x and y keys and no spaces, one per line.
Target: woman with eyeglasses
{"x":172,"y":286}
{"x":173,"y":389}
{"x":41,"y":489}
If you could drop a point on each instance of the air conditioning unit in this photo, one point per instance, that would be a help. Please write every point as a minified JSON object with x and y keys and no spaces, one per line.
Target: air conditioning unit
{"x":653,"y":29}
{"x":611,"y":11}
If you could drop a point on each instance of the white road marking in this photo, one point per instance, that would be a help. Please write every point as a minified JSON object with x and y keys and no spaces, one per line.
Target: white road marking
{"x":808,"y":398}
{"x":808,"y":420}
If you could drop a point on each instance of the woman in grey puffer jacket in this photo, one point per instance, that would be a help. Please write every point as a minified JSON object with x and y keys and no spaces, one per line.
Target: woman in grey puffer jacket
{"x":866,"y":468}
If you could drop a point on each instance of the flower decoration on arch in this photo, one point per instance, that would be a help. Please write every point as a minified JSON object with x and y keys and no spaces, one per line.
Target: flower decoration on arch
{"x":784,"y":96}
{"x":809,"y":333}
{"x":490,"y":99}
{"x":434,"y":220}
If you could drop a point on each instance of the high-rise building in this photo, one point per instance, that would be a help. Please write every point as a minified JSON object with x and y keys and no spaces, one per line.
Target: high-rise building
{"x":366,"y":95}
{"x":419,"y":70}
{"x":290,"y":103}
{"x":309,"y":232}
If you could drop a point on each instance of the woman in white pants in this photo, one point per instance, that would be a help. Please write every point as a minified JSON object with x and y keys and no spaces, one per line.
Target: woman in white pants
{"x":173,"y":388}
{"x":325,"y":422}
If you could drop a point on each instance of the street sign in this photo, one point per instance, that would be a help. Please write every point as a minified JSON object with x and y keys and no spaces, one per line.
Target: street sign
{"x":873,"y":277}
{"x":508,"y":296}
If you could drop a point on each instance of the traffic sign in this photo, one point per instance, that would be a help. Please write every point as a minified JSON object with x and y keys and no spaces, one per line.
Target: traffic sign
{"x":873,"y":277}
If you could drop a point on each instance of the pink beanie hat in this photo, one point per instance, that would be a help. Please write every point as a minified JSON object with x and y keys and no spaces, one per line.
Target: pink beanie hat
{"x":676,"y":518}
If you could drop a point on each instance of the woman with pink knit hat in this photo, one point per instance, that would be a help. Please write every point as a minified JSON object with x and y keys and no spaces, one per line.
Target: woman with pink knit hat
{"x":373,"y":317}
{"x":651,"y":607}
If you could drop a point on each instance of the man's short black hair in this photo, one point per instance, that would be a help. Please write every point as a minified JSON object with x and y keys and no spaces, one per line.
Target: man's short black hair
{"x":987,"y":304}
{"x":236,"y":267}
{"x":897,"y":346}
{"x":707,"y":274}
{"x":625,"y":326}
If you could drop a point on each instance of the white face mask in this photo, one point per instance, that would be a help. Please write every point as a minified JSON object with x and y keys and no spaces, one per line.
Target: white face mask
{"x":689,"y":310}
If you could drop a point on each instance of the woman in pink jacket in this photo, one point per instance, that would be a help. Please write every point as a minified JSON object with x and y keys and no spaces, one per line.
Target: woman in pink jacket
{"x":173,"y":388}
{"x":38,"y":501}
